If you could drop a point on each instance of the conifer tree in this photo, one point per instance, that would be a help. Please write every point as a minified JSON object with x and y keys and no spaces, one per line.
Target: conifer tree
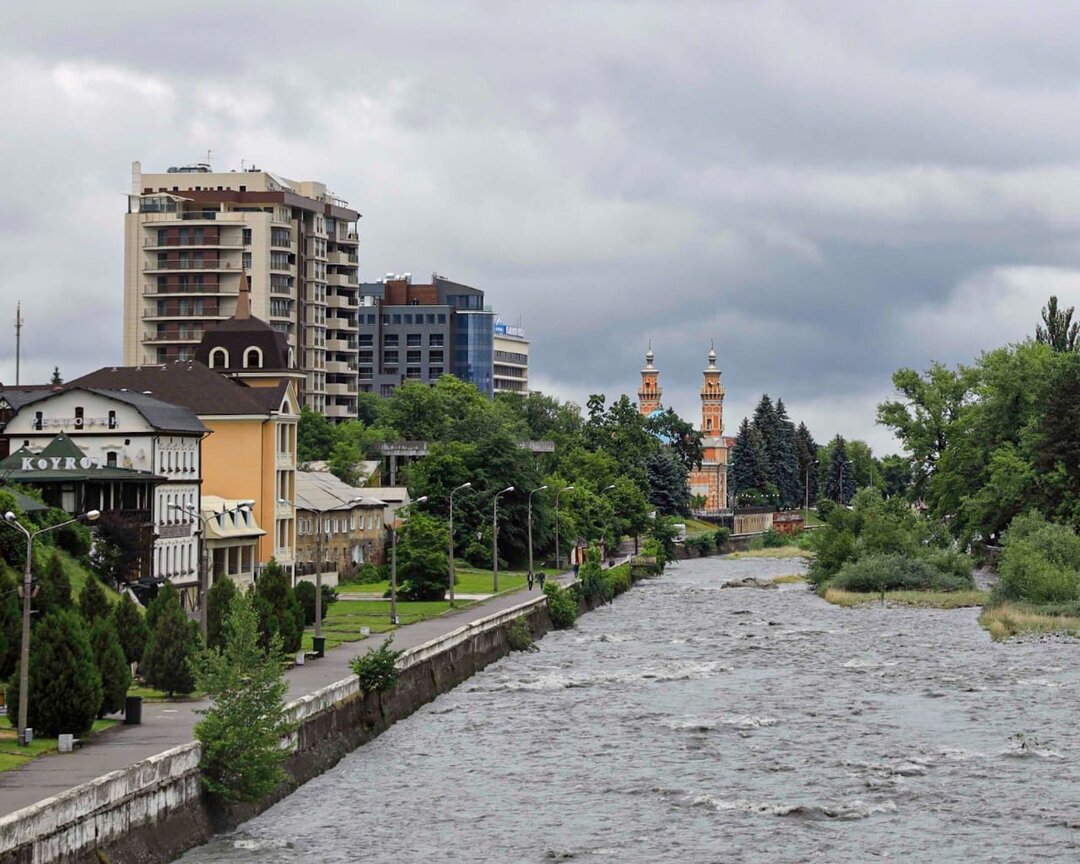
{"x":93,"y":602}
{"x":669,"y":491}
{"x":284,"y":614}
{"x":10,"y":623}
{"x":165,"y":597}
{"x":112,"y":666}
{"x":131,"y":629}
{"x":173,"y":642}
{"x":53,"y":588}
{"x":806,"y":450}
{"x":218,"y":602}
{"x":839,"y":474}
{"x":785,"y":459}
{"x":749,"y":463}
{"x":65,"y":686}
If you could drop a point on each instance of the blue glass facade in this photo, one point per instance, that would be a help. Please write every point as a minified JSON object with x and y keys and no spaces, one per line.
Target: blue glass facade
{"x":474,"y":349}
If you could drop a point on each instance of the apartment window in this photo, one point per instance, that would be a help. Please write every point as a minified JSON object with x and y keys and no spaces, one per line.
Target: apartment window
{"x":414,"y":340}
{"x":366,"y":357}
{"x":442,"y":318}
{"x":112,"y":419}
{"x":385,"y":319}
{"x":429,"y":318}
{"x":246,"y":260}
{"x":435,"y":357}
{"x":364,"y":373}
{"x":435,"y":340}
{"x":435,"y":371}
{"x":37,"y":419}
{"x":413,"y":357}
{"x":413,"y":372}
{"x":366,"y":340}
{"x":110,"y":459}
{"x":390,"y":357}
{"x":408,"y":319}
{"x":390,"y":340}
{"x":246,"y":236}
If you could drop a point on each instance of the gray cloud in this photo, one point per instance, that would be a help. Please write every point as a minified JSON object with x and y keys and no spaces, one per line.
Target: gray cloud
{"x":828,"y":189}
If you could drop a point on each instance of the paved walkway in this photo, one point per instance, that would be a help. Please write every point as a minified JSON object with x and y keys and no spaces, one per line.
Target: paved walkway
{"x":170,"y":724}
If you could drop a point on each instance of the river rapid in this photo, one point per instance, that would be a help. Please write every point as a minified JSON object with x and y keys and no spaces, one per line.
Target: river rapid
{"x":691,"y":723}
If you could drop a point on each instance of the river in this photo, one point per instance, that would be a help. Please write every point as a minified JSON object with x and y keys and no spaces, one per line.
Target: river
{"x":690,"y":723}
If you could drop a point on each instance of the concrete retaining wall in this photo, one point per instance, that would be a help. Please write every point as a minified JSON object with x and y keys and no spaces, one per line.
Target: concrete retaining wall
{"x":155,"y":810}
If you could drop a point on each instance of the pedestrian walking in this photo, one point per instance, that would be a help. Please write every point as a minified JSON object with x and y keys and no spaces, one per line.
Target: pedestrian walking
{"x":540,"y":577}
{"x":531,"y":577}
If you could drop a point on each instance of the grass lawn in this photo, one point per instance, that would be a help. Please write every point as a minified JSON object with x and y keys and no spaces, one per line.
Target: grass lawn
{"x":696,"y":527}
{"x":778,"y":552}
{"x":1008,"y":620}
{"x":149,"y":694}
{"x":345,"y":618}
{"x":12,"y":755}
{"x":924,"y":599}
{"x":469,"y":580}
{"x":78,"y":577}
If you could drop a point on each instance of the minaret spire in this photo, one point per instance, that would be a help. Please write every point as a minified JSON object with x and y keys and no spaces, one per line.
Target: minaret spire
{"x":649,"y":393}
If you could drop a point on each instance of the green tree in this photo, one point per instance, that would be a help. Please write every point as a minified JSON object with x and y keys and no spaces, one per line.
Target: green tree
{"x":785,"y":459}
{"x":65,"y":685}
{"x":684,"y":441}
{"x":865,"y":469}
{"x":305,"y":596}
{"x":131,"y":629}
{"x":242,"y":730}
{"x":173,"y":643}
{"x":10,"y":622}
{"x":53,"y":588}
{"x":218,"y":605}
{"x":56,"y":380}
{"x":749,"y":472}
{"x":422,"y":564}
{"x":669,"y":491}
{"x":806,"y":450}
{"x":93,"y":602}
{"x":838,"y":474}
{"x":314,"y":436}
{"x":120,"y":546}
{"x":285,"y":617}
{"x":895,"y":475}
{"x":1057,"y":330}
{"x":111,"y":664}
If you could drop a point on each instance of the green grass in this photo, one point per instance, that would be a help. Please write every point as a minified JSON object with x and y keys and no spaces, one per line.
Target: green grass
{"x":149,"y":694}
{"x":12,"y":755}
{"x":78,"y":576}
{"x":778,"y":552}
{"x":1011,"y":619}
{"x":789,"y":579}
{"x":468,"y":580}
{"x":922,"y":599}
{"x":696,"y":527}
{"x":345,"y":618}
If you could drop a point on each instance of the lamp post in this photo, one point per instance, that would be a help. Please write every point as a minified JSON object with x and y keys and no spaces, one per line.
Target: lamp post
{"x":603,"y":546}
{"x":534,"y":491}
{"x":451,"y":560}
{"x":202,"y":575}
{"x":495,"y":539}
{"x":806,"y":491}
{"x":317,"y":639}
{"x":558,"y":549}
{"x":393,"y":557}
{"x":24,"y":663}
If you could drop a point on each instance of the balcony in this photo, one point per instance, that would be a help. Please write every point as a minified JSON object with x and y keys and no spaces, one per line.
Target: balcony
{"x":341,"y":367}
{"x":341,"y":389}
{"x":159,"y":315}
{"x":174,"y":290}
{"x":173,"y":336}
{"x":188,"y":264}
{"x":341,"y":301}
{"x":152,"y":243}
{"x":343,"y":280}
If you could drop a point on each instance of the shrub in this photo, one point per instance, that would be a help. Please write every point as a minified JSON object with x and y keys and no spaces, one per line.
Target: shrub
{"x":593,"y":584}
{"x":1039,"y":563}
{"x":773,"y":539}
{"x":702,"y":544}
{"x":368,"y":574}
{"x":721,"y":536}
{"x":173,"y":643}
{"x":834,"y":548}
{"x":65,"y":686}
{"x":422,"y":563}
{"x":520,"y":636}
{"x":131,"y":628}
{"x":280,"y":611}
{"x":894,"y":572}
{"x":93,"y":602}
{"x":562,"y":606}
{"x":53,"y":588}
{"x":112,"y":665}
{"x":305,"y":596}
{"x":377,"y":670}
{"x":618,"y":578}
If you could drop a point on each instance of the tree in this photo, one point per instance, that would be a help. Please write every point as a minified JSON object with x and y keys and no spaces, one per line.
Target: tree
{"x":242,"y":730}
{"x":864,"y":467}
{"x":684,"y":441}
{"x":282,"y":613}
{"x":53,"y":588}
{"x":838,"y":472}
{"x":173,"y":642}
{"x":130,"y":628}
{"x":56,"y":380}
{"x":749,"y":471}
{"x":314,"y":436}
{"x":806,"y":450}
{"x":1059,"y":331}
{"x":669,"y":491}
{"x":218,"y":603}
{"x":785,"y":459}
{"x":895,"y":475}
{"x":10,"y":622}
{"x":65,"y":685}
{"x":422,"y":564}
{"x":120,"y":546}
{"x":93,"y":602}
{"x":305,"y":596}
{"x":112,"y":665}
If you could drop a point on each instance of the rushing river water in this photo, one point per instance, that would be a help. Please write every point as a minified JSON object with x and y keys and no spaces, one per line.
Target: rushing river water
{"x":687,"y":723}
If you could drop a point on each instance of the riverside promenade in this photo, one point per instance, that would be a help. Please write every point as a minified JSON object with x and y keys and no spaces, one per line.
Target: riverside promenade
{"x":169,"y":724}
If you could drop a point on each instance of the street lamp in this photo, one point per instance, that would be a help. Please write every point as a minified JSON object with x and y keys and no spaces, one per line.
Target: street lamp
{"x":452,"y":491}
{"x":607,"y":488}
{"x":806,"y":490}
{"x":24,"y":664}
{"x":393,"y":557}
{"x":534,"y":491}
{"x":558,"y":549}
{"x":495,"y":538}
{"x":317,"y":640}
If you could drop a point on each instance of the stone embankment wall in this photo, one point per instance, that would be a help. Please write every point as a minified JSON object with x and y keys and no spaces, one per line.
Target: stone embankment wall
{"x":155,"y":810}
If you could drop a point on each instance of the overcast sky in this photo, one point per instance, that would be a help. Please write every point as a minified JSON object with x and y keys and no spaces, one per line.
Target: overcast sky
{"x":830,"y":190}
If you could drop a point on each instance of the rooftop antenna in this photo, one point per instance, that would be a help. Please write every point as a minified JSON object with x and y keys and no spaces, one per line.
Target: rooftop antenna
{"x":242,"y":163}
{"x":209,"y":152}
{"x":18,"y":339}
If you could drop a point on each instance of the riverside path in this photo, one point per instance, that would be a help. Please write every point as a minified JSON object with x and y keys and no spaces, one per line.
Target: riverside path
{"x":169,"y":724}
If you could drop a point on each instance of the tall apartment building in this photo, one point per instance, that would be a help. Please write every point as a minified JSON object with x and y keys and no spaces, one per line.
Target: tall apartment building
{"x":191,"y":236}
{"x":412,"y":332}
{"x":510,"y":359}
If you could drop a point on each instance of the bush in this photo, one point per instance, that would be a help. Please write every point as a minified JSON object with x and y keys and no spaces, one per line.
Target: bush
{"x":131,"y":628}
{"x":520,"y":636}
{"x":53,"y":588}
{"x":593,"y":584}
{"x":305,"y":596}
{"x":377,"y":670}
{"x":562,"y":606}
{"x":368,"y":574}
{"x":894,"y":572}
{"x":65,"y":686}
{"x":112,"y":665}
{"x":422,"y":563}
{"x":721,"y":537}
{"x":833,"y":548}
{"x":173,"y":643}
{"x":1039,"y":563}
{"x":773,"y":539}
{"x":702,"y":544}
{"x":618,"y":578}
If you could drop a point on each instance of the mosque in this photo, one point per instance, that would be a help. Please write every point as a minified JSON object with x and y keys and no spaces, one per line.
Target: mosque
{"x":710,"y":480}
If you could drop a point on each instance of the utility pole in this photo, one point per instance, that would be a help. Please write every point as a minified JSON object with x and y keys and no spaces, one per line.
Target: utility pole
{"x":18,"y":339}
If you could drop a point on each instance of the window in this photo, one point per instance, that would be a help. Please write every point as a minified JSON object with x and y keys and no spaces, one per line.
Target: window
{"x":390,"y":357}
{"x":112,"y":419}
{"x":247,"y":236}
{"x":442,"y":318}
{"x":78,"y":417}
{"x":219,"y":358}
{"x":435,"y":371}
{"x":253,"y":358}
{"x":414,"y":340}
{"x":110,"y":459}
{"x":37,"y":419}
{"x":390,"y":340}
{"x":435,"y":357}
{"x":413,"y":357}
{"x":245,"y":260}
{"x":435,"y":340}
{"x":366,"y":340}
{"x":408,"y":319}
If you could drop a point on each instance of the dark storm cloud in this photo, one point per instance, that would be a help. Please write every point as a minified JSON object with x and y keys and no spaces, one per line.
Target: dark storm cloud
{"x":828,"y":189}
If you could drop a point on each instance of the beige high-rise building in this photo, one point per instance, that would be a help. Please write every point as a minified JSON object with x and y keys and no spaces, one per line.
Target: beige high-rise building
{"x":191,"y":234}
{"x":510,"y":359}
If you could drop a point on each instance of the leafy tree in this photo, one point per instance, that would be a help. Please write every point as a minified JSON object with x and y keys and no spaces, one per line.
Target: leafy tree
{"x":422,"y":564}
{"x":173,"y":643}
{"x":241,"y":732}
{"x":53,"y":588}
{"x":305,"y":595}
{"x":120,"y":546}
{"x":684,"y":441}
{"x":895,"y":475}
{"x":1057,"y":330}
{"x":865,"y":469}
{"x":131,"y":629}
{"x":282,"y":613}
{"x":669,"y":491}
{"x":65,"y":685}
{"x":93,"y":603}
{"x":112,"y":665}
{"x":218,"y":606}
{"x":314,"y":436}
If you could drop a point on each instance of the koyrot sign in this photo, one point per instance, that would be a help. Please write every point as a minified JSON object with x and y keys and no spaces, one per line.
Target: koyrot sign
{"x":58,"y":463}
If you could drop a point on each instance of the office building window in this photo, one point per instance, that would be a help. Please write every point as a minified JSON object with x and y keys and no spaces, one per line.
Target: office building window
{"x":414,"y":340}
{"x":390,"y":340}
{"x":435,"y":340}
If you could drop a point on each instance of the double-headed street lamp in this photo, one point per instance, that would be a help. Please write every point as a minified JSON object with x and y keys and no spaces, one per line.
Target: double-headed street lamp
{"x":558,"y":548}
{"x":451,"y":560}
{"x":393,"y":556}
{"x":495,"y":538}
{"x":24,"y":663}
{"x":806,"y":491}
{"x":317,"y":640}
{"x":534,"y":491}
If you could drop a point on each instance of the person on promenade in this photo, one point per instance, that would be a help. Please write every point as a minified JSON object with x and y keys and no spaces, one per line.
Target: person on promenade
{"x":531,"y":577}
{"x":540,"y":577}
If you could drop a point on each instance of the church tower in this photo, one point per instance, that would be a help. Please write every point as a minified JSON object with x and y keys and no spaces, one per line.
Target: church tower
{"x":710,"y":480}
{"x":649,"y":394}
